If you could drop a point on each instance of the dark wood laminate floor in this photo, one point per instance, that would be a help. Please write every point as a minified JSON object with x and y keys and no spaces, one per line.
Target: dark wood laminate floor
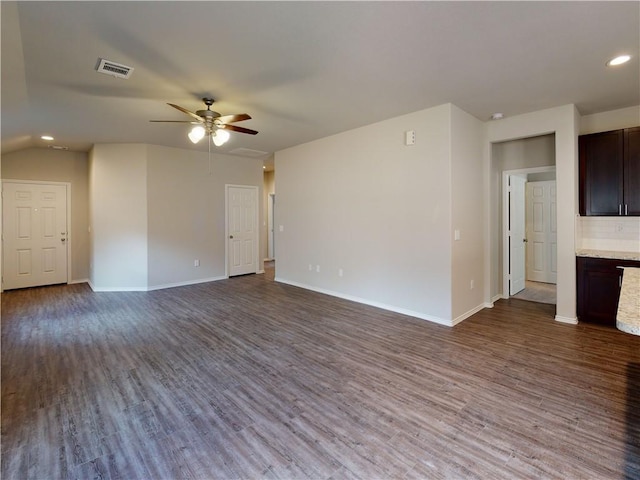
{"x":246,"y":378}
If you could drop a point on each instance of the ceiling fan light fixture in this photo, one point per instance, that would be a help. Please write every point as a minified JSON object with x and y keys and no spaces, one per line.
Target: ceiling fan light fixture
{"x":196,"y":134}
{"x":220,"y":137}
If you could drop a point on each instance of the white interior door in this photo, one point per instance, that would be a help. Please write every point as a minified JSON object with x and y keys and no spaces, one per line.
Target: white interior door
{"x":242,"y":229}
{"x":516,"y":233}
{"x":541,"y":232}
{"x":34,"y":225}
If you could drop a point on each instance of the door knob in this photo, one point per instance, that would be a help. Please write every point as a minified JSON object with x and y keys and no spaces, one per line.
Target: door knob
{"x":230,"y":236}
{"x":524,"y":240}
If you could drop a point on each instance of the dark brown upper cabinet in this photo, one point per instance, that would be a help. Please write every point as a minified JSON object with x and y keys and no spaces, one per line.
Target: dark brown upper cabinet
{"x":610,"y":173}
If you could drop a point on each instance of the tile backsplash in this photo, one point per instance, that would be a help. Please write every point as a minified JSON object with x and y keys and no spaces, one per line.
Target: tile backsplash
{"x":620,"y":234}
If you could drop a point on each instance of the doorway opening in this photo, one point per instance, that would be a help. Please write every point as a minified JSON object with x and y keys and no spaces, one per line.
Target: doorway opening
{"x":529,"y":234}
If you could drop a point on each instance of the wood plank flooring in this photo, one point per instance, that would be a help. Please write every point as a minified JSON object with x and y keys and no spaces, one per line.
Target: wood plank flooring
{"x":247,"y":378}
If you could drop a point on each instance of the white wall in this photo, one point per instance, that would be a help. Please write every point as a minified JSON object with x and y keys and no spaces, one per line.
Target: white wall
{"x":564,"y":121}
{"x":467,"y":214}
{"x":118,"y":216}
{"x":44,"y":164}
{"x":363,"y":202}
{"x":186,"y":212}
{"x":612,"y":120}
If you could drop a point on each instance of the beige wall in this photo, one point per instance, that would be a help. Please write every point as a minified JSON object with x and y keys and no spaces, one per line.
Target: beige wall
{"x":187,"y":213}
{"x":157,"y":209}
{"x":612,"y":120}
{"x":118,"y":217}
{"x":365,"y":203}
{"x":44,"y":164}
{"x":467,"y":188}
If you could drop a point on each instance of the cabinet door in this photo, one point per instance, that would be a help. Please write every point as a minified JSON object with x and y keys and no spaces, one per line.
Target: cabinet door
{"x":601,"y":296}
{"x":599,"y":288}
{"x":601,"y":178}
{"x":632,"y":171}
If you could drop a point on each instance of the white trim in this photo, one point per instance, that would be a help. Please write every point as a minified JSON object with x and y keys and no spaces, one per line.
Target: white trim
{"x":69,"y":232}
{"x":383,"y":306}
{"x":471,"y":312}
{"x":185,"y":283}
{"x":79,"y":280}
{"x":569,"y":320}
{"x":496,"y":298}
{"x":256,"y":253}
{"x":117,"y":289}
{"x":271,"y":226}
{"x":154,"y":287}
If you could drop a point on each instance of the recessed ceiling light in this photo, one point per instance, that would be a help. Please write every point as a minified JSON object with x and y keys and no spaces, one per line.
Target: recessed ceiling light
{"x":497,"y":116}
{"x":618,"y":60}
{"x":47,"y":137}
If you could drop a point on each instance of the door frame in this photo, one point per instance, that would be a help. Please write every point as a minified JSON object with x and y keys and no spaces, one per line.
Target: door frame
{"x":271,"y":207}
{"x":69,"y":242}
{"x":505,"y":219}
{"x":226,"y":226}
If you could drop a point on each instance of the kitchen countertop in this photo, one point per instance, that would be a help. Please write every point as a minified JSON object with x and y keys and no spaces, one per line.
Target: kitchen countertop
{"x":584,"y":252}
{"x":628,"y":318}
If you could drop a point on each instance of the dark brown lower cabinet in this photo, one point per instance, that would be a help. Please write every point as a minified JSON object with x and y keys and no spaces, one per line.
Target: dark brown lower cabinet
{"x":599,"y":288}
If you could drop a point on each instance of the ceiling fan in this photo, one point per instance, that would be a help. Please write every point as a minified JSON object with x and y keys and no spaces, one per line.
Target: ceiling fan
{"x":210,"y":123}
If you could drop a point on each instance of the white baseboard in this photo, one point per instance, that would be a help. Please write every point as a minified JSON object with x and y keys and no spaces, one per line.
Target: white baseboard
{"x":154,"y":287}
{"x":79,"y":280}
{"x":383,"y":306}
{"x":471,"y":312}
{"x":569,"y":320}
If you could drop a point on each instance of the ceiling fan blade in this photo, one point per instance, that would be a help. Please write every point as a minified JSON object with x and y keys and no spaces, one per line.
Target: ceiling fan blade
{"x":184,"y":110}
{"x":238,"y":129}
{"x":234,"y":118}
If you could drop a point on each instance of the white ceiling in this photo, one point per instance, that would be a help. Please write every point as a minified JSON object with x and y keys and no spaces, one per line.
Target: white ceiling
{"x":302,"y":70}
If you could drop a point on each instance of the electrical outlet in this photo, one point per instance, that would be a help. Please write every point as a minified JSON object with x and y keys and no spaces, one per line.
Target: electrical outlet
{"x":310,"y":267}
{"x":340,"y":272}
{"x":196,"y":263}
{"x":317,"y":268}
{"x":472,"y":284}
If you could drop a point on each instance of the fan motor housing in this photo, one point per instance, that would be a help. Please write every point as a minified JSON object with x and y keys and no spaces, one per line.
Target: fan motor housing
{"x":207,"y":114}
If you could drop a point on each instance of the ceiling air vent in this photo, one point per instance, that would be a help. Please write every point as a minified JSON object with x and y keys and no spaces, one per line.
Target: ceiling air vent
{"x":114,"y":69}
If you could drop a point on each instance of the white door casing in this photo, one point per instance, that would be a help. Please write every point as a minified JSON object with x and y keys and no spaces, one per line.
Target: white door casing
{"x":517,"y":246}
{"x":242,"y":229}
{"x":271,"y":212}
{"x":541,"y":232}
{"x":35,"y":234}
